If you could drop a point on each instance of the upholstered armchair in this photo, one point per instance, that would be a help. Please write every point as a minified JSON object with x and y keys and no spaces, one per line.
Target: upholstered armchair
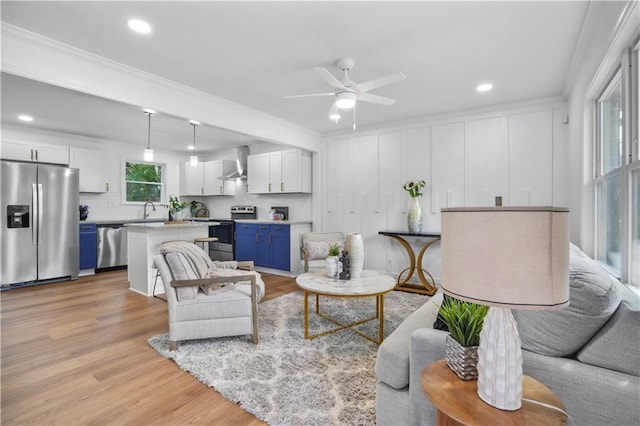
{"x":314,"y":249}
{"x":222,"y":304}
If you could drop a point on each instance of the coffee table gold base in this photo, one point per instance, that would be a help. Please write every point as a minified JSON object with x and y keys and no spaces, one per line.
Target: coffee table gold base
{"x":341,"y":326}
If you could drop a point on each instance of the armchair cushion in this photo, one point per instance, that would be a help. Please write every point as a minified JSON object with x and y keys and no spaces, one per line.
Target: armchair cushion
{"x":316,"y":249}
{"x":181,"y":270}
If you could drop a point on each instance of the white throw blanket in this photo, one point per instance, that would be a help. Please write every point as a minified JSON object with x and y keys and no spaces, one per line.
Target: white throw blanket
{"x":197,"y":258}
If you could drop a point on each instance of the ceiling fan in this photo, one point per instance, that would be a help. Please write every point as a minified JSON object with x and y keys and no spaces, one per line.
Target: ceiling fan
{"x":348,"y":92}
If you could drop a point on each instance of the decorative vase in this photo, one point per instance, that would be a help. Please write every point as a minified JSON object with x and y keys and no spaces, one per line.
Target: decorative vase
{"x":355,"y":246}
{"x":461,"y":360}
{"x":414,"y":216}
{"x":84,"y":214}
{"x":333,"y":266}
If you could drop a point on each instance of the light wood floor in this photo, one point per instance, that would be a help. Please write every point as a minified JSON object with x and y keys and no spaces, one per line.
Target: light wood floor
{"x":77,"y":353}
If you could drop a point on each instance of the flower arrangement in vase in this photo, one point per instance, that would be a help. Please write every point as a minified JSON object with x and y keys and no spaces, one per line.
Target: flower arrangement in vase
{"x":175,"y":206}
{"x":414,"y":214}
{"x":84,"y":212}
{"x":333,"y":267}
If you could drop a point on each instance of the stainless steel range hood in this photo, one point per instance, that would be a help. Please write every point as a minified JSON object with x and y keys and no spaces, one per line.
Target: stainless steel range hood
{"x":241,"y":165}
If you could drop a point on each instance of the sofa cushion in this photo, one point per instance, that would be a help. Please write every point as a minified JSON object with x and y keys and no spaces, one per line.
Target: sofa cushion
{"x":392,"y":363}
{"x":181,"y":270}
{"x":616,"y":345}
{"x":594,"y":297}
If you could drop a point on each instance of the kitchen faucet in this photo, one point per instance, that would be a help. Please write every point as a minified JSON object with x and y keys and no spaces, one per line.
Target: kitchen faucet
{"x":145,"y":214}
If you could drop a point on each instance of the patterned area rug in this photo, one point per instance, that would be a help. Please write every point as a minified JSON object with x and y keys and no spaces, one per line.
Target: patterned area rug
{"x":287,"y":380}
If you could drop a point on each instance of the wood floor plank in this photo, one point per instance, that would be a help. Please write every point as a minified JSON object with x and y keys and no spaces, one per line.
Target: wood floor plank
{"x":77,"y":353}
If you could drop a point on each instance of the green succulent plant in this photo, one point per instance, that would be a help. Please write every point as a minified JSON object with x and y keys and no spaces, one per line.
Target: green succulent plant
{"x":334,"y":250}
{"x":464,"y":320}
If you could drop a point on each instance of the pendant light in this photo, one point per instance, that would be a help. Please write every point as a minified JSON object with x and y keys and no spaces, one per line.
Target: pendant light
{"x":193,"y":160}
{"x":148,"y":152}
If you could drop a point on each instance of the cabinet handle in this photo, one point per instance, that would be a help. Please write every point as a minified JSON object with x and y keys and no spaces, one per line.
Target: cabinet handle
{"x":202,"y":190}
{"x":269,"y":187}
{"x":281,"y":186}
{"x":107,"y":186}
{"x":221,"y":190}
{"x":36,"y":154}
{"x":257,"y":238}
{"x":269,"y":239}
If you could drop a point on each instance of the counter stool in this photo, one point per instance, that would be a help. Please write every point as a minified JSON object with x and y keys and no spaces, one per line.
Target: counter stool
{"x":202,"y":240}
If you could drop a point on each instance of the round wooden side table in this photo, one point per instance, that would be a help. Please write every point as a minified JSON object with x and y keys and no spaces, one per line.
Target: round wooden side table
{"x":458,"y":403}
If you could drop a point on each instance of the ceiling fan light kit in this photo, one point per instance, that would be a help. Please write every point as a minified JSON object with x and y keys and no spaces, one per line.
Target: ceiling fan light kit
{"x":347,"y":92}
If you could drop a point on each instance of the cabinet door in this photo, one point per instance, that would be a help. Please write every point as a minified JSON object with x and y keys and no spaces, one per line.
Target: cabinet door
{"x":193,"y":181}
{"x":280,"y":247}
{"x":213,"y":185}
{"x":246,"y":242}
{"x":263,"y":242}
{"x":291,"y":170}
{"x":17,"y":151}
{"x":93,"y":169}
{"x":275,"y":172}
{"x":258,"y":174}
{"x":88,"y":252}
{"x":52,"y":154}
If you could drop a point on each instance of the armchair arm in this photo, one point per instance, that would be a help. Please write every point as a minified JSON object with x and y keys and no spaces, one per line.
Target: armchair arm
{"x":245,"y":265}
{"x":305,"y":257}
{"x":215,"y":280}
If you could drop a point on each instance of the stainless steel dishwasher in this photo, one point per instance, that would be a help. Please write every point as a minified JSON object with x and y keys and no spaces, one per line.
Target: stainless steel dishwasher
{"x":112,"y":245}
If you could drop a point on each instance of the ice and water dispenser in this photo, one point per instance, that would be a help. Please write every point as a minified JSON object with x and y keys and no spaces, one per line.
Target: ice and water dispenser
{"x":17,"y":216}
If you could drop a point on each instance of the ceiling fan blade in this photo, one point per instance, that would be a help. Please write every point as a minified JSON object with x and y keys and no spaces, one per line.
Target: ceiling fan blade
{"x":309,"y":95}
{"x":329,"y":78}
{"x":368,"y":97}
{"x":382,"y":81}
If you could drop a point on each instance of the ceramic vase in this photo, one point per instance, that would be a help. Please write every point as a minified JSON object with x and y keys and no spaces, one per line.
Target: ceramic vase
{"x":355,"y":246}
{"x":333,"y":266}
{"x":414,"y":216}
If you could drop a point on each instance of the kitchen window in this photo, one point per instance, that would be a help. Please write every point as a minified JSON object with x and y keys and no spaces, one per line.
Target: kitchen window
{"x":143,"y":182}
{"x":617,"y":171}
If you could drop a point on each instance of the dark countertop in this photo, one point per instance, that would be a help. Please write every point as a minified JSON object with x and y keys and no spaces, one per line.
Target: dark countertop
{"x":410,"y":234}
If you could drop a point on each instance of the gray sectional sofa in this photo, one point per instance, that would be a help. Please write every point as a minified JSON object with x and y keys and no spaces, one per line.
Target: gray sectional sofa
{"x":587,"y":353}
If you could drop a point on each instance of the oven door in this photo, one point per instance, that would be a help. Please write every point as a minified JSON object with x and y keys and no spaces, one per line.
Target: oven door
{"x":223,"y":232}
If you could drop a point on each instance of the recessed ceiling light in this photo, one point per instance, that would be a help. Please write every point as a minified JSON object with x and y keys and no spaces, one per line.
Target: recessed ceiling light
{"x":485,"y":87}
{"x":25,"y":118}
{"x":139,"y":26}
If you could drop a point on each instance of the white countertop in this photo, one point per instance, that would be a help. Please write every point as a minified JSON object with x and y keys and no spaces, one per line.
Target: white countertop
{"x":274,"y":222}
{"x":162,"y":225}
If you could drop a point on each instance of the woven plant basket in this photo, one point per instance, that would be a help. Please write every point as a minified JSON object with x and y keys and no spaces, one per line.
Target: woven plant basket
{"x":461,"y":360}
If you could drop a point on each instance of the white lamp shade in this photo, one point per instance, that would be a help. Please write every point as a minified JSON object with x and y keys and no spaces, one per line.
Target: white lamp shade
{"x":148,"y":154}
{"x":515,"y":257}
{"x":193,"y":161}
{"x":346,"y":100}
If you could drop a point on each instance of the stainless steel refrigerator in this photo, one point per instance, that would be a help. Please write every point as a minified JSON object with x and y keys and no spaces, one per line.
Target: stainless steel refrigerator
{"x":39,"y":233}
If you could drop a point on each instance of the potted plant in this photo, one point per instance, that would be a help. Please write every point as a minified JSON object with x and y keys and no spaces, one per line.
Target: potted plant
{"x":332,"y":260}
{"x":175,"y":206}
{"x":464,"y":321}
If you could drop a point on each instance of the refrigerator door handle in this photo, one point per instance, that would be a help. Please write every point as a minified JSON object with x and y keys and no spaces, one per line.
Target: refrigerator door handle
{"x":34,"y":204}
{"x":40,"y":209}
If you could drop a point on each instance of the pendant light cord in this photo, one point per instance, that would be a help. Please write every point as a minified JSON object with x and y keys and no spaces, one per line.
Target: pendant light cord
{"x":149,"y":131}
{"x":194,"y":138}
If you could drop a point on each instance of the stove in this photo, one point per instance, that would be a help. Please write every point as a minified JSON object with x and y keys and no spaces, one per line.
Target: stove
{"x":224,"y":248}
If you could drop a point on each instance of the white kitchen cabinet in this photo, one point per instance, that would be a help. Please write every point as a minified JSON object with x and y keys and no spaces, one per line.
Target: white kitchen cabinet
{"x":258,"y":174}
{"x":192,"y":179}
{"x":93,"y":169}
{"x":203,"y":179}
{"x":277,"y":172}
{"x":41,"y":153}
{"x":448,"y":173}
{"x":215,"y":186}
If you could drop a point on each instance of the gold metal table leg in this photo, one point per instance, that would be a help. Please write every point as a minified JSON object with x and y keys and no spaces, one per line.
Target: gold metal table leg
{"x":428,"y":284}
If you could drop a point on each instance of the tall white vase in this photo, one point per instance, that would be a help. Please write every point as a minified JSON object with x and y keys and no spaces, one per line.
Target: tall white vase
{"x":355,"y":246}
{"x":414,"y":216}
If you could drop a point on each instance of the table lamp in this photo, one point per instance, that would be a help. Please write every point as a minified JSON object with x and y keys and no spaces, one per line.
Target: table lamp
{"x":505,"y":257}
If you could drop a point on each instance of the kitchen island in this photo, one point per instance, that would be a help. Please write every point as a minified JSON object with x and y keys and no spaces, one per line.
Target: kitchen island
{"x":143,"y":243}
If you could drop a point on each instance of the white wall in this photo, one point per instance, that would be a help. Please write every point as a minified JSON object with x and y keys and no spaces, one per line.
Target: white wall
{"x":517,"y":152}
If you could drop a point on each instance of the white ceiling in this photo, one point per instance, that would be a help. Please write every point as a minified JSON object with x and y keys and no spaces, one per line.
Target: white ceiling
{"x":254,"y":53}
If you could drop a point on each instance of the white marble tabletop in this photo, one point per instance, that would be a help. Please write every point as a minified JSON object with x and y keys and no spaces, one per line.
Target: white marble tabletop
{"x":369,"y":283}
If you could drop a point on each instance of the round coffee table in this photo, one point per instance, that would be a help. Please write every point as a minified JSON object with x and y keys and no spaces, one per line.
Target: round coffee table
{"x":370,"y":284}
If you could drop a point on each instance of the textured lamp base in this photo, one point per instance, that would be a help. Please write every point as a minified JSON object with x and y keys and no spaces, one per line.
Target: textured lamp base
{"x":500,"y":361}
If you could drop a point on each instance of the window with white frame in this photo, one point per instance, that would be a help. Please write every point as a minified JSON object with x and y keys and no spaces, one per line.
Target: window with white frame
{"x":143,"y":182}
{"x":617,"y":171}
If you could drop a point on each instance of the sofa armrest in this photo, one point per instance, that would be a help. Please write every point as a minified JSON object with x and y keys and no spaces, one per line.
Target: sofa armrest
{"x":427,"y":346}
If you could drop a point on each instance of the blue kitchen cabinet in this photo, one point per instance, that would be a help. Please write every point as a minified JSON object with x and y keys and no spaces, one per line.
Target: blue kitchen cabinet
{"x":280,"y":238}
{"x":264,"y":246}
{"x":88,"y":251}
{"x":246,"y":242}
